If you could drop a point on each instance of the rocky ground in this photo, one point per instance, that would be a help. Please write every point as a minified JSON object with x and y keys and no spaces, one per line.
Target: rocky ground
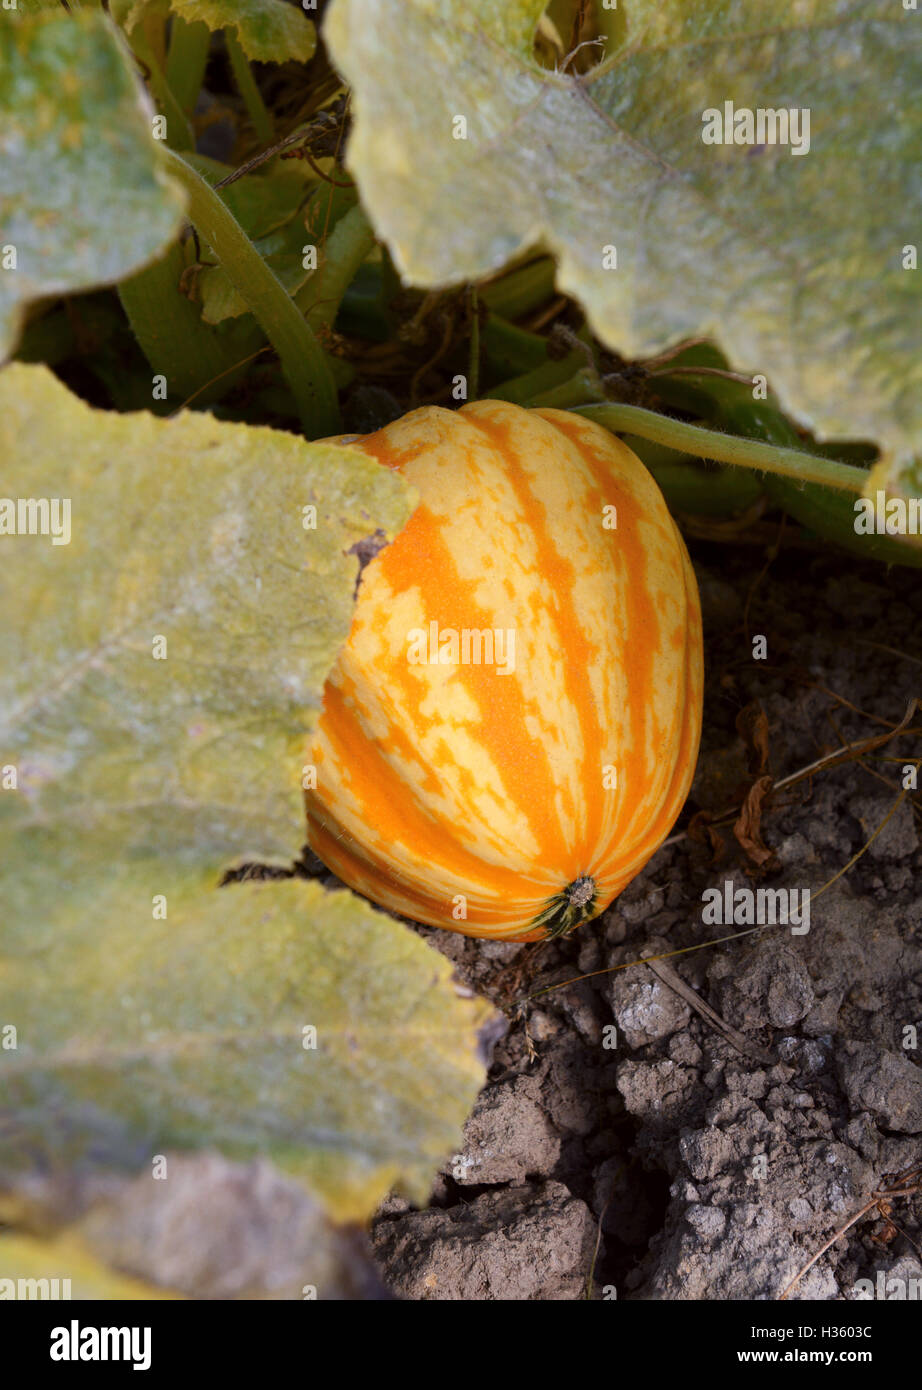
{"x":627,"y":1146}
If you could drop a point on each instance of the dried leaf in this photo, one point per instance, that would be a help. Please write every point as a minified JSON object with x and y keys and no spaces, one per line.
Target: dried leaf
{"x":748,"y":827}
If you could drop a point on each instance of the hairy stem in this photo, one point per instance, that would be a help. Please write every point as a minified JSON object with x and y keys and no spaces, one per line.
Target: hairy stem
{"x":246,"y":86}
{"x":347,"y":246}
{"x":473,"y":370}
{"x":189,"y":353}
{"x":179,"y":131}
{"x":303,"y":362}
{"x":695,"y":488}
{"x":537,"y":386}
{"x":726,"y":448}
{"x":522,"y":290}
{"x":185,"y":65}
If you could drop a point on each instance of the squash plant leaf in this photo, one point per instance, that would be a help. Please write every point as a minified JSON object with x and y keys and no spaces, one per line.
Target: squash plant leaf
{"x":895,"y":475}
{"x":83,"y":198}
{"x":271,"y":1018}
{"x":202,"y":1225}
{"x":66,"y":1268}
{"x":165,"y":664}
{"x":794,"y":257}
{"x":174,"y":594}
{"x":270,"y":31}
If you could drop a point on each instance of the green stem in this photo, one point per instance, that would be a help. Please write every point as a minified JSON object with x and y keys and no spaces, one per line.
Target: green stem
{"x":509,"y":351}
{"x":694,"y":488}
{"x":522,"y":290}
{"x":576,"y":391}
{"x":347,"y":246}
{"x":831,"y":515}
{"x":175,"y":340}
{"x":694,"y":491}
{"x":179,"y":131}
{"x":246,"y":86}
{"x":725,"y":448}
{"x":303,"y":362}
{"x":473,"y":369}
{"x":185,"y":66}
{"x":531,"y":387}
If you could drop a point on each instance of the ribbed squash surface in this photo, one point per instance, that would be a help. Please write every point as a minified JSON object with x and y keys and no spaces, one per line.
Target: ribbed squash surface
{"x":511,"y":805}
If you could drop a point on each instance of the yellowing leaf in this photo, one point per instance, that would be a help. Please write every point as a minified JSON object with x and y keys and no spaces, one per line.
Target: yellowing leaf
{"x":793,"y":263}
{"x":83,"y":198}
{"x":212,"y":1228}
{"x":162,"y":667}
{"x":262,"y":1018}
{"x":270,"y":31}
{"x":63,"y":1268}
{"x":896,"y":477}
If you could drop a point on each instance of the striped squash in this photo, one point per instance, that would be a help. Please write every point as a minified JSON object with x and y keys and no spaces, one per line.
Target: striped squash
{"x":510,"y":793}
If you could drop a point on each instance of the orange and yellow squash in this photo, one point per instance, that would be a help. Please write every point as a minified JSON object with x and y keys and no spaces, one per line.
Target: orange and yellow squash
{"x":512,"y":726}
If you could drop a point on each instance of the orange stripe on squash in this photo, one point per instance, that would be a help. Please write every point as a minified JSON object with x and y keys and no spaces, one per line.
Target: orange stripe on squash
{"x":471,"y":799}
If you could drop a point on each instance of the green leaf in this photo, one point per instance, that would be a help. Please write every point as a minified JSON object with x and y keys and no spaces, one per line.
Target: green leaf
{"x":129,"y":782}
{"x":270,"y":31}
{"x":83,"y":197}
{"x":792,"y":263}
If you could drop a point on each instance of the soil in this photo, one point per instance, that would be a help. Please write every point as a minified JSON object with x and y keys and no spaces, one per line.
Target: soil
{"x":626,"y":1146}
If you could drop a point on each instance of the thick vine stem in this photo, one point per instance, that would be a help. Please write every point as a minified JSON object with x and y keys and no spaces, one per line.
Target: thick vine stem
{"x":180,"y":131}
{"x":726,"y":448}
{"x":301,"y":356}
{"x":473,"y":370}
{"x":536,"y":387}
{"x":196,"y":360}
{"x":346,"y":248}
{"x":521,"y":291}
{"x":510,"y":351}
{"x":246,"y":86}
{"x":575,"y":391}
{"x":186,"y":61}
